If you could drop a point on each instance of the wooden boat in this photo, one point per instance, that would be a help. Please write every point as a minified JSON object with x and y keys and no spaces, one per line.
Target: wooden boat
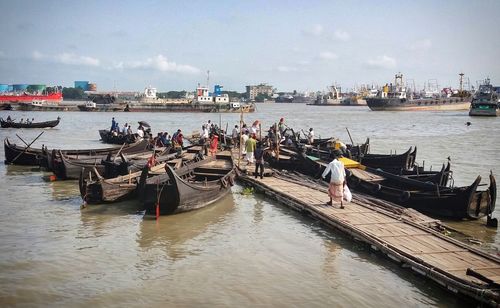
{"x":428,"y":198}
{"x":19,"y":155}
{"x":51,"y":160}
{"x":190,"y":187}
{"x":390,"y":162}
{"x":66,"y":166}
{"x":108,"y":137}
{"x":94,"y":188}
{"x":314,"y":166}
{"x":46,"y":124}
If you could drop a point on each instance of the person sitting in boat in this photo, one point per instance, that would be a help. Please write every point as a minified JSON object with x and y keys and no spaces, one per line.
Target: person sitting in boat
{"x":140,"y":132}
{"x":158,"y":140}
{"x":27,"y":121}
{"x":129,"y":130}
{"x":165,"y":139}
{"x":125,"y":128}
{"x":22,"y":121}
{"x":310,"y":136}
{"x":117,"y":128}
{"x":9,"y":119}
{"x":32,"y":120}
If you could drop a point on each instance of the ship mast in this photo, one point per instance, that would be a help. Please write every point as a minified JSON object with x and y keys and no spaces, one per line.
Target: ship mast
{"x":461,"y":82}
{"x":208,"y":79}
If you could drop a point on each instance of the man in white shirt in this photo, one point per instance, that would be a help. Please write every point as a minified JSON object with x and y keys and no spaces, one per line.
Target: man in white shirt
{"x":337,"y":179}
{"x":310,"y":136}
{"x":140,"y":132}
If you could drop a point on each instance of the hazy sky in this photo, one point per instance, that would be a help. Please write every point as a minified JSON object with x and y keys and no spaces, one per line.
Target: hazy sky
{"x":303,"y":45}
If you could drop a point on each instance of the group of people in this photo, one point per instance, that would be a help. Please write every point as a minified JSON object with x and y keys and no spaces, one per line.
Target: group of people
{"x":27,"y":121}
{"x":116,"y":130}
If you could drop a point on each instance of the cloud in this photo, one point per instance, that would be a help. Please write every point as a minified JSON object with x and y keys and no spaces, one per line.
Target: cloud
{"x":421,"y":45}
{"x":384,"y":62}
{"x":66,"y":58}
{"x":327,"y":55}
{"x":286,"y":69}
{"x":341,"y":35}
{"x":316,"y":30}
{"x":159,"y":63}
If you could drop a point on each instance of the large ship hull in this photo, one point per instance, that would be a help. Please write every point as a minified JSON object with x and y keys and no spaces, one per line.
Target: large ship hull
{"x":485,"y":110}
{"x":185,"y":107}
{"x":54,"y":98}
{"x":397,"y":104}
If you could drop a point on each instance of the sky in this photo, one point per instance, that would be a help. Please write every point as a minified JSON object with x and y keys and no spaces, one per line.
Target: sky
{"x":291,"y":45}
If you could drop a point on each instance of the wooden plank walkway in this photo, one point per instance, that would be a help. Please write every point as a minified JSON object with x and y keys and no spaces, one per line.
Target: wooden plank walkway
{"x":402,"y":234}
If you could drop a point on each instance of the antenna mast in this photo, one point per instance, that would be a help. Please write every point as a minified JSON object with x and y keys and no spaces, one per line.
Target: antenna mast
{"x":461,"y":81}
{"x":208,"y":79}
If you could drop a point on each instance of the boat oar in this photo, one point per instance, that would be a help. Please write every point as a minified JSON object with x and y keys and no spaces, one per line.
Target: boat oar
{"x":22,"y":140}
{"x":24,"y":151}
{"x":119,"y":151}
{"x":349,"y":133}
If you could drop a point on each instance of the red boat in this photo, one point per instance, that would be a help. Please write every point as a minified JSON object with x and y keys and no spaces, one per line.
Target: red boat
{"x":28,"y":98}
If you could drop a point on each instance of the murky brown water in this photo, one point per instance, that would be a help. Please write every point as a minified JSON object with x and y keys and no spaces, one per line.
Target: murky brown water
{"x":244,"y":250}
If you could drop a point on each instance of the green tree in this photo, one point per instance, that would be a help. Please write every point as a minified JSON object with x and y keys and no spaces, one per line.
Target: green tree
{"x":73,"y":93}
{"x":261,"y":97}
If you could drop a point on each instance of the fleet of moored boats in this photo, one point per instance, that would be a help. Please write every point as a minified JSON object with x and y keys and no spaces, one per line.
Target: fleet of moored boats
{"x":168,"y":180}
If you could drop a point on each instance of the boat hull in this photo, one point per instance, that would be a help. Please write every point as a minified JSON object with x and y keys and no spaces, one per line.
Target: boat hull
{"x":396,"y":104}
{"x":46,"y":124}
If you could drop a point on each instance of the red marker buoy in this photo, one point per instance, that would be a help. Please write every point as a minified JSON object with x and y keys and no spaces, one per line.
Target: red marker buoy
{"x":157,"y":210}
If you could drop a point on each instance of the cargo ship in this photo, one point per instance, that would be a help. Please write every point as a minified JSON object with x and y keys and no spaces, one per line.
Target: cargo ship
{"x":11,"y":95}
{"x":332,"y":98}
{"x":203,"y":101}
{"x":397,"y":97}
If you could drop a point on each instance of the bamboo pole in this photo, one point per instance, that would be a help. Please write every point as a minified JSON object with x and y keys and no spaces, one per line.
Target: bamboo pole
{"x":241,"y":130}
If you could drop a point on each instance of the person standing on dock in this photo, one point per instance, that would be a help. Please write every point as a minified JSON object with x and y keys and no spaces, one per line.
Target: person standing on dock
{"x":250,"y":145}
{"x":259,"y":160}
{"x":234,"y":135}
{"x":243,"y":144}
{"x":337,"y":179}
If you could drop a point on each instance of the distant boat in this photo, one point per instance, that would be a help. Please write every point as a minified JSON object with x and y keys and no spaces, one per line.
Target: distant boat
{"x":46,"y":124}
{"x":397,"y":97}
{"x":486,"y":100}
{"x":332,"y":98}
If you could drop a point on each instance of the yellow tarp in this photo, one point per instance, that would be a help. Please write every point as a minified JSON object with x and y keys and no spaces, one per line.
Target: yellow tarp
{"x":349,"y":163}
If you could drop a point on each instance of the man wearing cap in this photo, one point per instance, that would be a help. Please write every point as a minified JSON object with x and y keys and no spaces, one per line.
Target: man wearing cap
{"x":337,"y":179}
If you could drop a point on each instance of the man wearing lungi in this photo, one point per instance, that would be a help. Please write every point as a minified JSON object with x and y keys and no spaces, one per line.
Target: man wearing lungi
{"x":337,"y":179}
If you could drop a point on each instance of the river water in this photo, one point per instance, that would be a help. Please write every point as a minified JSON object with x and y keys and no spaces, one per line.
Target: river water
{"x":244,"y":250}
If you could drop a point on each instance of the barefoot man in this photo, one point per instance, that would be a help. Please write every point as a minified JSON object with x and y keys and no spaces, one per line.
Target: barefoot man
{"x":337,"y":179}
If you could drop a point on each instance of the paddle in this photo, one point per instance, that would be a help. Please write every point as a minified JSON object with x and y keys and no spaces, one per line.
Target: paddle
{"x":22,"y":140}
{"x":352,"y":142}
{"x":24,"y":151}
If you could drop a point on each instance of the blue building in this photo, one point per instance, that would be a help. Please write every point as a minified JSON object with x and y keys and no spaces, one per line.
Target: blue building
{"x":84,"y":85}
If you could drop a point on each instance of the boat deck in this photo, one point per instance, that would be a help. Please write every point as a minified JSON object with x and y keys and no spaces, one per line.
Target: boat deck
{"x":403,"y":235}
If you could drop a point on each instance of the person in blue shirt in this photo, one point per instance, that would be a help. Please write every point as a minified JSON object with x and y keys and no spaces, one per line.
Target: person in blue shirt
{"x":113,"y":124}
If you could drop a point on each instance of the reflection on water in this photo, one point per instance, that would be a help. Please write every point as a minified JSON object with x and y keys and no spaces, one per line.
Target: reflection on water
{"x":241,"y":251}
{"x":172,"y":234}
